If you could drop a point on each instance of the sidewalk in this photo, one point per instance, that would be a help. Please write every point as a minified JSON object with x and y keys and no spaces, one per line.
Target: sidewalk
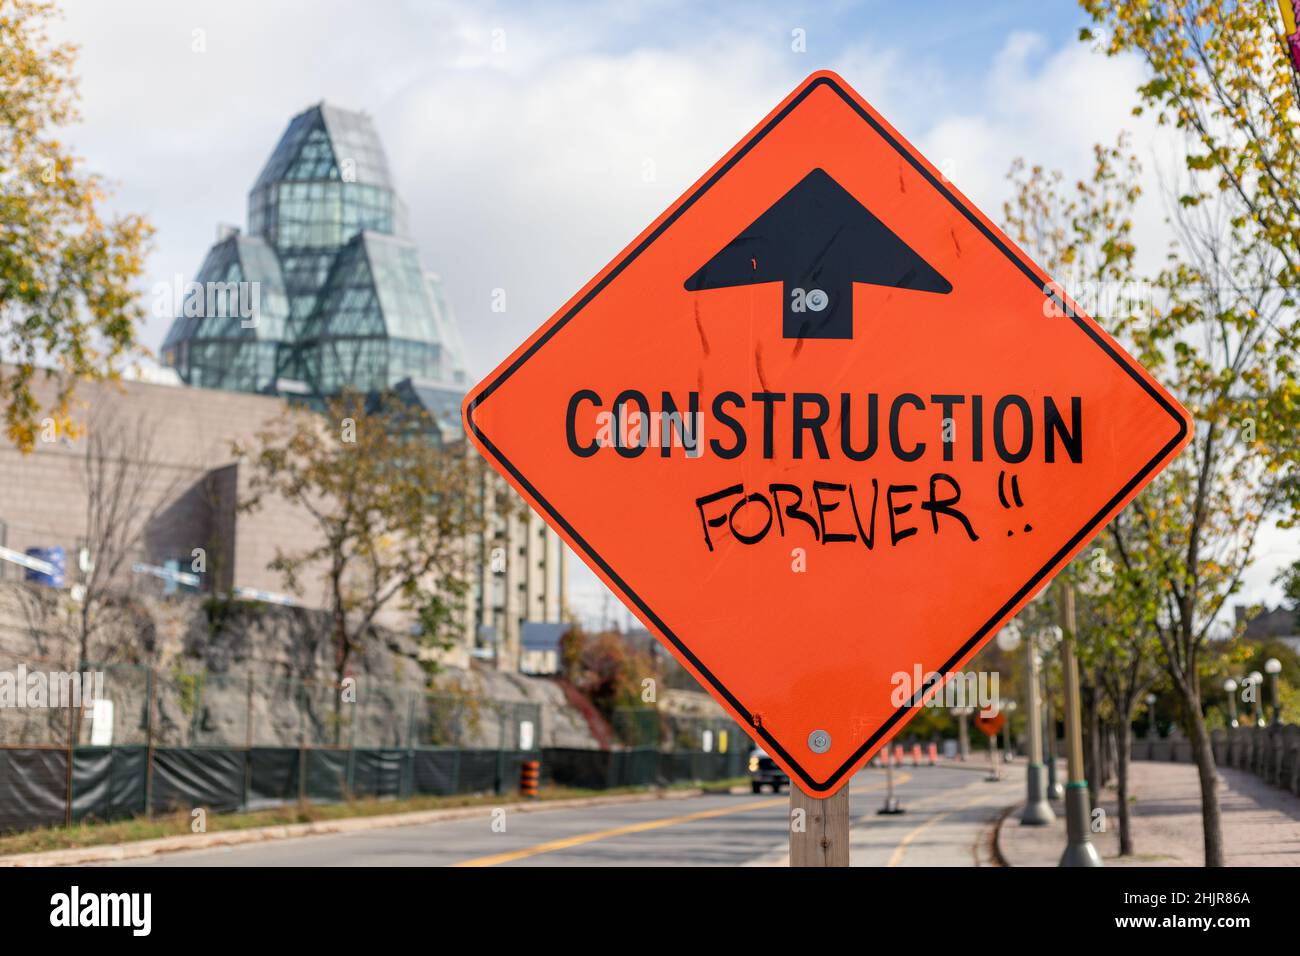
{"x":1261,"y":823}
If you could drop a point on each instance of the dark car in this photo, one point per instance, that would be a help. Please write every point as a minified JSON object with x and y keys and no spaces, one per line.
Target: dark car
{"x":763,"y":772}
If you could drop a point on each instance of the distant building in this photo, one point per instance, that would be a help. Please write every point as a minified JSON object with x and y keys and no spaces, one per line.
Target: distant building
{"x":325,"y":292}
{"x":540,"y":647}
{"x":1278,"y":624}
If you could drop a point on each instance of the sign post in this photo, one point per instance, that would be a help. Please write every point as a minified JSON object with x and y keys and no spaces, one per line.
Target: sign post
{"x":819,"y":829}
{"x":890,"y":807}
{"x":1079,"y":849}
{"x":824,"y":429}
{"x":990,"y":726}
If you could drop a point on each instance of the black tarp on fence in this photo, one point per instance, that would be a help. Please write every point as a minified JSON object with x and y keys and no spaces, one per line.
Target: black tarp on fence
{"x":602,"y":769}
{"x":113,"y":783}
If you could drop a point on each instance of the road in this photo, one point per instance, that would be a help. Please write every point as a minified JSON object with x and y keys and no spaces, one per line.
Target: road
{"x":950,"y":814}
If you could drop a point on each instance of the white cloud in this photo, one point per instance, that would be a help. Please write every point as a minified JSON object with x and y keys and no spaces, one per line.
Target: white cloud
{"x":1050,"y":106}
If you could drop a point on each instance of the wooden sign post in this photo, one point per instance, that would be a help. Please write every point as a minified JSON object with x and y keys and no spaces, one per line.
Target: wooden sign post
{"x":819,"y":828}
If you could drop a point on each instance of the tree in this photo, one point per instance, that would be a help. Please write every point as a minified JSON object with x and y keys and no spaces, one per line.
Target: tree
{"x":1224,"y":336}
{"x":66,"y":270}
{"x":127,"y":486}
{"x":1220,"y":72}
{"x":393,"y":508}
{"x":1083,"y":237}
{"x":1289,"y":579}
{"x":1118,"y":646}
{"x":607,"y":670}
{"x":1214,"y":331}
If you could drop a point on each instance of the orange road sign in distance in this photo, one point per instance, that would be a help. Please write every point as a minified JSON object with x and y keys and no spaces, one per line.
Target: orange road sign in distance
{"x":822,"y":426}
{"x":990,"y":726}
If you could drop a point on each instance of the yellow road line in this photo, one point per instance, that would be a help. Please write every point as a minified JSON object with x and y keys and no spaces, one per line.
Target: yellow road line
{"x":900,"y":851}
{"x":567,"y":842}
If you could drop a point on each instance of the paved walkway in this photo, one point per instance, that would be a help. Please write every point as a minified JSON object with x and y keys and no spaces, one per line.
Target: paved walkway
{"x":1261,"y":823}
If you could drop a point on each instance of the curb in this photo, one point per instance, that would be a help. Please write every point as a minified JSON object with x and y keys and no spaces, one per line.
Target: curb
{"x":998,"y":855}
{"x":113,"y":852}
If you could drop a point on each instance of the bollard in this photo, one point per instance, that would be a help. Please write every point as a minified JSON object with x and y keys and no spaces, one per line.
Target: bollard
{"x":529,"y":771}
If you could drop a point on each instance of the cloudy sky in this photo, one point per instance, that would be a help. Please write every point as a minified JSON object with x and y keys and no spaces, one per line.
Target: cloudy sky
{"x":520,"y":134}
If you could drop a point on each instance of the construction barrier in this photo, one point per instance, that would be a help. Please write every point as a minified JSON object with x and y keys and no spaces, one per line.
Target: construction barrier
{"x":114,"y":783}
{"x":529,"y":771}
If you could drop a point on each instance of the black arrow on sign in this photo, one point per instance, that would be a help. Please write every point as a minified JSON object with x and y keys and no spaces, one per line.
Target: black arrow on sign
{"x":817,"y":240}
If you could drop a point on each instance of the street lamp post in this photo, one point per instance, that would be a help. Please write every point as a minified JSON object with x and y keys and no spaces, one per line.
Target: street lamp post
{"x":1273,"y":667}
{"x":1038,"y":812}
{"x":1051,"y":639}
{"x":995,"y":771}
{"x":1257,"y":681}
{"x":1009,"y":750}
{"x":1008,"y":641}
{"x":1230,"y":688}
{"x":1079,"y":850}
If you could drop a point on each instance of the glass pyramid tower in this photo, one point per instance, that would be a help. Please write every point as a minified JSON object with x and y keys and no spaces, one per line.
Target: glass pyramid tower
{"x":326,"y":291}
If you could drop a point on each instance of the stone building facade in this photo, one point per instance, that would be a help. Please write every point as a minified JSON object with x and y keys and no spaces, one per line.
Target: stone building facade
{"x":170,"y":446}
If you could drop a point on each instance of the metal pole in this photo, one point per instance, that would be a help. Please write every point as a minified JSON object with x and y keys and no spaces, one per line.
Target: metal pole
{"x":995,"y":772}
{"x":819,"y":828}
{"x":302,"y":741}
{"x":248,"y":743}
{"x":891,"y":807}
{"x":1037,"y":810}
{"x":148,"y":763}
{"x":963,"y":734}
{"x":1054,"y":789}
{"x":71,"y":756}
{"x":1079,"y":850}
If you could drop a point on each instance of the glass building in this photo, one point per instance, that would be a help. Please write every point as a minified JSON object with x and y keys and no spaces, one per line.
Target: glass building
{"x":326,"y":291}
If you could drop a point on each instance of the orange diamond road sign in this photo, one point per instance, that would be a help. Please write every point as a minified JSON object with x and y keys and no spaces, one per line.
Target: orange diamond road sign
{"x":990,"y":726}
{"x":824,"y":429}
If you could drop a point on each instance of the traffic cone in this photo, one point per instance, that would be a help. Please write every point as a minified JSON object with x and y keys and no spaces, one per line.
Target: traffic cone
{"x":529,"y":771}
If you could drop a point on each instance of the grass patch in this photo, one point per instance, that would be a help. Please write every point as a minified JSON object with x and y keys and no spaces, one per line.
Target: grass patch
{"x":88,"y":833}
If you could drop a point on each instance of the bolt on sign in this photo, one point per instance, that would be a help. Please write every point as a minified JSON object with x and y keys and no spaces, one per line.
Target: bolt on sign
{"x":821,"y":424}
